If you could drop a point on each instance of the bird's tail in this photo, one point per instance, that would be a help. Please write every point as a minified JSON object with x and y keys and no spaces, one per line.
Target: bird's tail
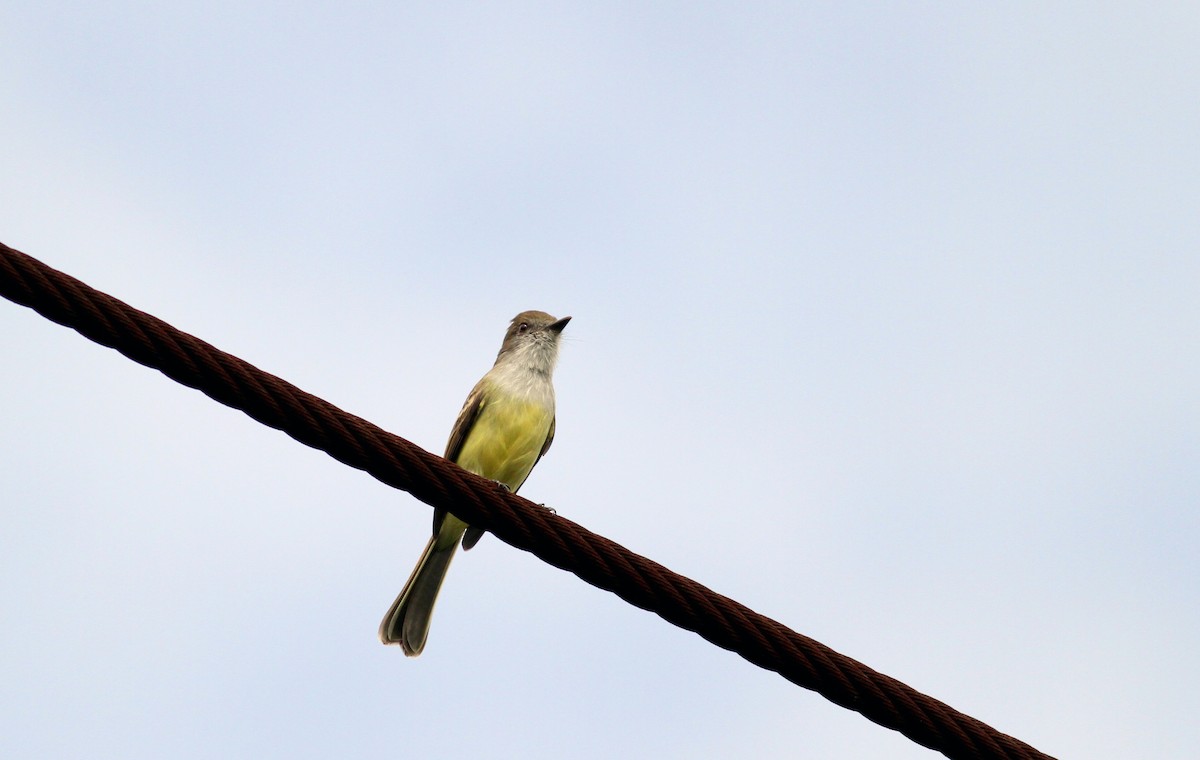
{"x":407,"y":622}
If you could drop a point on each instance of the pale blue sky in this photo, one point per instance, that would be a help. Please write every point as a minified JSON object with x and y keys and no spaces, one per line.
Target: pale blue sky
{"x":886,"y":324}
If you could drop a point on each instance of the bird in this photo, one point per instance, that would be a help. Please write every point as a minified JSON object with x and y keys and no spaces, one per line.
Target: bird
{"x":505,"y":427}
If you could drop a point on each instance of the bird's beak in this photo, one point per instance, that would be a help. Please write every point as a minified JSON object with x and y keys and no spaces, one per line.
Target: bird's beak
{"x":558,"y":326}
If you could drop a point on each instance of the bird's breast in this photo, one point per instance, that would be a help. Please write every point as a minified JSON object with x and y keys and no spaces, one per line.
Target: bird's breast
{"x":506,"y":439}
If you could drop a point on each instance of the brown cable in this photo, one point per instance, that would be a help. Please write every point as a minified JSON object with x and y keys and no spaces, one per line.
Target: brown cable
{"x":517,"y":521}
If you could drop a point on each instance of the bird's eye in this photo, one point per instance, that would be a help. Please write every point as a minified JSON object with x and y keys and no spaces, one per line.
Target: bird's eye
{"x":523,"y":327}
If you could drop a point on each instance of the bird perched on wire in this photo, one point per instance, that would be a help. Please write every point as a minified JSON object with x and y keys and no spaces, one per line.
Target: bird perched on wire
{"x":504,"y":428}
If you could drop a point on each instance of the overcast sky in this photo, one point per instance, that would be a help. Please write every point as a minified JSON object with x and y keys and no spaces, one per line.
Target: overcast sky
{"x":886,"y":324}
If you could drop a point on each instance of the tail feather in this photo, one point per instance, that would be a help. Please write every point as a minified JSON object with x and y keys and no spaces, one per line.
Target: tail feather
{"x":407,"y":622}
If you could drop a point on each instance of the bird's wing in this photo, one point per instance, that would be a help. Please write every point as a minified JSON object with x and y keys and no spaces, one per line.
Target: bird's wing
{"x":549,"y":440}
{"x":466,"y":420}
{"x":458,"y":436}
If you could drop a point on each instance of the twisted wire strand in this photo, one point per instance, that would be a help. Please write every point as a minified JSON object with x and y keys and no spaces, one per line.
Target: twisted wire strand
{"x":401,"y":464}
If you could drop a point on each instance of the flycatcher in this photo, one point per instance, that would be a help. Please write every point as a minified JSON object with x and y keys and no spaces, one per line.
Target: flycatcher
{"x":504,"y":428}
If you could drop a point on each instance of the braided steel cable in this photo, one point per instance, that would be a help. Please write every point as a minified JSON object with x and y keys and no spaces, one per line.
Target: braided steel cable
{"x":513,"y":519}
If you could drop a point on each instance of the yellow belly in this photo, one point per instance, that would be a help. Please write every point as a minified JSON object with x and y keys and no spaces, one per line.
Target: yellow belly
{"x":505,"y":441}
